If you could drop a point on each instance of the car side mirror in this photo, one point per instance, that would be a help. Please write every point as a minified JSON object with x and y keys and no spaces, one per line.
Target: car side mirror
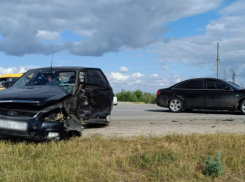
{"x":81,"y":77}
{"x":229,"y":88}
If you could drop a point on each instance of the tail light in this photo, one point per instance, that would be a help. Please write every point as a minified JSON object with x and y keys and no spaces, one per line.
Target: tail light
{"x":158,"y":92}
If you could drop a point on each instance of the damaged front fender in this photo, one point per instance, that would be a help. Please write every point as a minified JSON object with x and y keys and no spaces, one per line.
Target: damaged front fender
{"x":62,"y":112}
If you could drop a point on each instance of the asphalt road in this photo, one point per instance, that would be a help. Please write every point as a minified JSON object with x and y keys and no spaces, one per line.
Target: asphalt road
{"x":152,"y":112}
{"x":131,"y":119}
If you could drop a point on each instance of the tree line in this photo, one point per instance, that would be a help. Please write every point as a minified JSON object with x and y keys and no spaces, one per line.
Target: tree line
{"x":136,"y":96}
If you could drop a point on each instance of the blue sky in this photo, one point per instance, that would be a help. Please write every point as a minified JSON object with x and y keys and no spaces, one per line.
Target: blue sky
{"x":139,"y":44}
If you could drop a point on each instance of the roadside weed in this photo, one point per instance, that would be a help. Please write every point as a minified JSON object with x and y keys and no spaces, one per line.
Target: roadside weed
{"x":214,"y":168}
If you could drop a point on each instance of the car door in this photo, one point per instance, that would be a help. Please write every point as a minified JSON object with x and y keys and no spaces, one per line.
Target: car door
{"x":192,"y":92}
{"x":219,"y":95}
{"x":97,"y":95}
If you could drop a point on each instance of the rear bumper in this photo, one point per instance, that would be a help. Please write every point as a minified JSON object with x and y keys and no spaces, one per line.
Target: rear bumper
{"x":36,"y":130}
{"x":160,"y":101}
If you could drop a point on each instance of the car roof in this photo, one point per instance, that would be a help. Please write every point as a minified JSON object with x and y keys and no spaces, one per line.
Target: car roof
{"x":14,"y":75}
{"x":63,"y":67}
{"x":207,"y":78}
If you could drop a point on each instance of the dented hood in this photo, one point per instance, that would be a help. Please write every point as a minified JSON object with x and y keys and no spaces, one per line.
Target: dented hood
{"x":29,"y":94}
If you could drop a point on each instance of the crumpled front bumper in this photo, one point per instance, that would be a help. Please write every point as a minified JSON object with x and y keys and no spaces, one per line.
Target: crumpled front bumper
{"x":35,"y":130}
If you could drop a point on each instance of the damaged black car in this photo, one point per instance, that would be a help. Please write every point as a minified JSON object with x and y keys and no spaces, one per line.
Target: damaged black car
{"x":55,"y":103}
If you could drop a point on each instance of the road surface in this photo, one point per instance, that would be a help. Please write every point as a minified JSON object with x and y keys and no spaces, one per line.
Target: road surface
{"x":131,"y":119}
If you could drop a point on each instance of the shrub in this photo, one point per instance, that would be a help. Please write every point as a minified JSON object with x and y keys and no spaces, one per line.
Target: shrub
{"x":136,"y":96}
{"x":214,"y":168}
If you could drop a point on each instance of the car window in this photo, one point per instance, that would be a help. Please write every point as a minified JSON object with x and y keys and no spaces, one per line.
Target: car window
{"x":63,"y":79}
{"x":234,"y":85}
{"x":213,"y":84}
{"x":14,"y":79}
{"x":192,"y":84}
{"x":220,"y":85}
{"x":180,"y":86}
{"x":97,"y":77}
{"x":210,"y":85}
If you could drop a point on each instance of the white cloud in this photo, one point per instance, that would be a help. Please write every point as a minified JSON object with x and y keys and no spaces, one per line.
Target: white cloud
{"x":14,"y":70}
{"x":177,"y":80}
{"x":118,"y":77}
{"x":86,"y":32}
{"x":202,"y":50}
{"x":140,"y":82}
{"x":123,"y":69}
{"x":216,"y":29}
{"x":137,"y":75}
{"x":164,"y":67}
{"x":47,"y":35}
{"x":66,"y":62}
{"x":154,"y":75}
{"x":164,"y":82}
{"x":146,"y":83}
{"x":237,"y":7}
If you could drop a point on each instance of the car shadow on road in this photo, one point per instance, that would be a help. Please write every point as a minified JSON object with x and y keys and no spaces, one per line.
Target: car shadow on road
{"x":196,"y":111}
{"x":158,"y":110}
{"x":91,"y":126}
{"x":215,"y":112}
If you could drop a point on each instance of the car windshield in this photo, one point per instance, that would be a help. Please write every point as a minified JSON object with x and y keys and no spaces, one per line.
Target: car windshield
{"x":235,"y":85}
{"x":62,"y":79}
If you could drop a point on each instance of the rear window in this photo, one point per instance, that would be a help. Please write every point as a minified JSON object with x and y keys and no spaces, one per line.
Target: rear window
{"x":215,"y":85}
{"x":192,"y":84}
{"x":97,"y":77}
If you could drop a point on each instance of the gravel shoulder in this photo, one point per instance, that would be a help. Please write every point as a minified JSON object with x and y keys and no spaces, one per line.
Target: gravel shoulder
{"x":130,"y":119}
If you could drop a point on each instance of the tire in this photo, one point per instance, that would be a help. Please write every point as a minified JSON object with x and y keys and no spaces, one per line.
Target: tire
{"x":242,"y":107}
{"x":175,"y":105}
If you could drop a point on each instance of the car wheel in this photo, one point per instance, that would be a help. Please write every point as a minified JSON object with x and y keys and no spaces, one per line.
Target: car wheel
{"x":175,"y":105}
{"x":242,"y":107}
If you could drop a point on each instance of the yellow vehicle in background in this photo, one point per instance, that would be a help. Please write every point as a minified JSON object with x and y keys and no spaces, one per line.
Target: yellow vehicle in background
{"x":8,"y":79}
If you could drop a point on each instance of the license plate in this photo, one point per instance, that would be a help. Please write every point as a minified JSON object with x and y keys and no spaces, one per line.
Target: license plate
{"x":13,"y":125}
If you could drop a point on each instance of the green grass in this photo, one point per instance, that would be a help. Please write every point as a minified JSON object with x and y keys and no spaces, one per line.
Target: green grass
{"x":169,"y":158}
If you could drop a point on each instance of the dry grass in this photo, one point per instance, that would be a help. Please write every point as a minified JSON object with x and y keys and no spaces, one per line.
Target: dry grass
{"x":170,"y":158}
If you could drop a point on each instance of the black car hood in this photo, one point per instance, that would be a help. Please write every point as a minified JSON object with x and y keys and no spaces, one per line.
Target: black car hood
{"x":36,"y":95}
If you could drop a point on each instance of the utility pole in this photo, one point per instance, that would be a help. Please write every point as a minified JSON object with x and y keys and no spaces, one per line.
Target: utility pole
{"x":218,"y":60}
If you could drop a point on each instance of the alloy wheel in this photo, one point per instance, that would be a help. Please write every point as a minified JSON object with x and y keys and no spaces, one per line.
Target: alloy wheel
{"x":242,"y":107}
{"x":175,"y":105}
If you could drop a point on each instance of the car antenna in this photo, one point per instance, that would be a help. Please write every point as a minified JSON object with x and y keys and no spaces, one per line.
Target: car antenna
{"x":52,"y":59}
{"x":51,"y":65}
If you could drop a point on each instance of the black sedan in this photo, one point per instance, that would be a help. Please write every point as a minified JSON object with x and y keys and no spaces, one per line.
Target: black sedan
{"x":202,"y":93}
{"x":55,"y":103}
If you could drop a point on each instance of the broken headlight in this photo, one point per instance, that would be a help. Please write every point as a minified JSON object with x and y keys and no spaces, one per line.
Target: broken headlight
{"x":52,"y":113}
{"x":52,"y":107}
